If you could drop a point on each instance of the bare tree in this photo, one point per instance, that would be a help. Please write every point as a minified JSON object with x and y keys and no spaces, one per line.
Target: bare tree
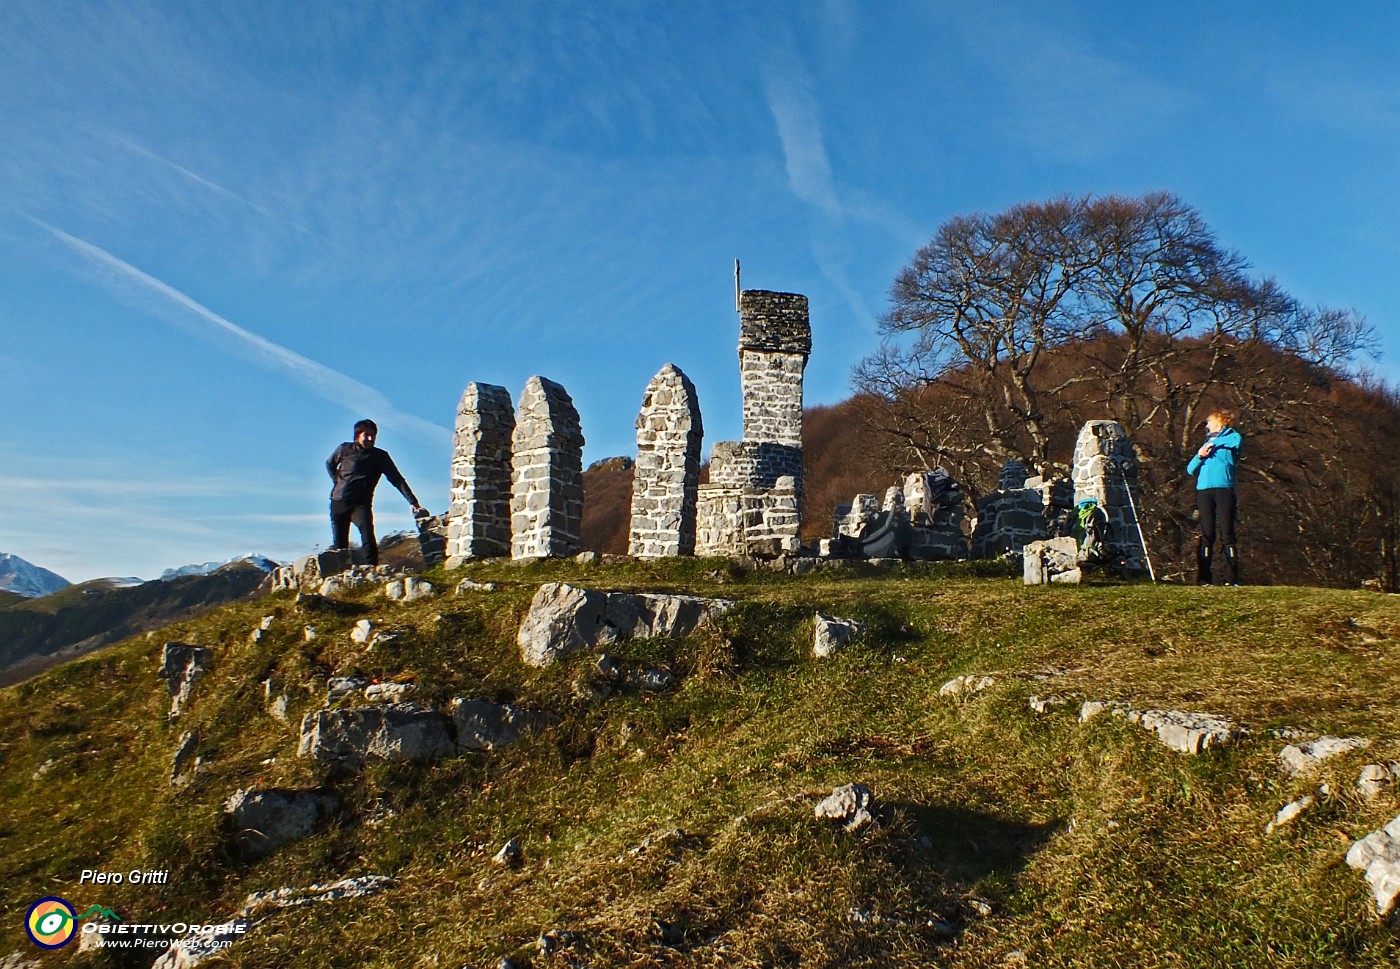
{"x":1006,"y":331}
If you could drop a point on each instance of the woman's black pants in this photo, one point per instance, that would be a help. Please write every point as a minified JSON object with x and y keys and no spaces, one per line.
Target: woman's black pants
{"x":1217,"y":508}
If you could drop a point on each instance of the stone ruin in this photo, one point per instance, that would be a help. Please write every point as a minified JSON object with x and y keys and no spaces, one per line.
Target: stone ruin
{"x":479,"y":520}
{"x":546,"y":504}
{"x":517,"y":477}
{"x":667,"y":471}
{"x":1022,"y":509}
{"x":1105,"y":467}
{"x":752,"y":505}
{"x":920,"y":521}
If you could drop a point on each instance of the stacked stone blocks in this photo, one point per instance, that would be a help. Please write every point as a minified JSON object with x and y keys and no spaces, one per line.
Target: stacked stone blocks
{"x":1104,"y":467}
{"x":547,"y":474}
{"x":753,"y":504}
{"x":479,"y":520}
{"x":667,"y":473}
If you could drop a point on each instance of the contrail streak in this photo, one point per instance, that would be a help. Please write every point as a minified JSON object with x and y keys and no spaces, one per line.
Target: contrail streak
{"x":331,"y":385}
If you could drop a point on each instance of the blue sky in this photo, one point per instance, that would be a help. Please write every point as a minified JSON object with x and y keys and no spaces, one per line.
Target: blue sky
{"x":228,"y":230}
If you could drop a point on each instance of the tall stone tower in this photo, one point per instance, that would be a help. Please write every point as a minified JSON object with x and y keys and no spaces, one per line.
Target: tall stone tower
{"x":753,"y":503}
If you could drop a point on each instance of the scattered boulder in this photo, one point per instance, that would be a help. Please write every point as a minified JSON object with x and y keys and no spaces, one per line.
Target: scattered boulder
{"x":260,"y":822}
{"x":1289,"y":813}
{"x":275,"y":698}
{"x":1051,"y":560}
{"x":487,"y":726}
{"x":1190,"y":733}
{"x":564,"y":619}
{"x":653,"y":680}
{"x":339,"y":687}
{"x":362,"y":631}
{"x":281,"y":898}
{"x":962,"y":686}
{"x":510,"y":854}
{"x":1090,"y":709}
{"x":390,"y":692}
{"x":1305,"y":757}
{"x":1376,"y":779}
{"x":185,"y":764}
{"x":181,"y":665}
{"x":849,"y":804}
{"x":1378,"y":855}
{"x":470,"y":585}
{"x":833,"y":633}
{"x":408,"y":589}
{"x":1048,"y":704}
{"x":395,"y":731}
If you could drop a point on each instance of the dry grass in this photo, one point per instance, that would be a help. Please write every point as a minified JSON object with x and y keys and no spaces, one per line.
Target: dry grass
{"x":677,"y":829}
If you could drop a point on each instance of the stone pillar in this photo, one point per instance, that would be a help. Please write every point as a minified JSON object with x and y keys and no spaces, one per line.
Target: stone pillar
{"x":1104,"y":466}
{"x":478,"y":522}
{"x":775,"y":339}
{"x":547,"y":475}
{"x":1010,"y":517}
{"x":667,"y":474}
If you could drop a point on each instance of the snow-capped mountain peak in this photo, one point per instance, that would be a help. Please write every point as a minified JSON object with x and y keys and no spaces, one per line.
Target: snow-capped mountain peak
{"x":27,"y":579}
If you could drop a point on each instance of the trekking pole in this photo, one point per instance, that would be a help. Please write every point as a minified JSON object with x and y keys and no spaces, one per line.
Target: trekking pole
{"x":1121,"y":465}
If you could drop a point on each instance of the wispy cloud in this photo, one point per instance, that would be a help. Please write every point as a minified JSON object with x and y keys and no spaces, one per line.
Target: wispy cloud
{"x":794,"y":107}
{"x":331,"y":385}
{"x":209,"y":184}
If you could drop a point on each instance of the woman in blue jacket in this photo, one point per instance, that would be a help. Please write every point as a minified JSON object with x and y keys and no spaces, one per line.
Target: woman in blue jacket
{"x":1214,"y":467}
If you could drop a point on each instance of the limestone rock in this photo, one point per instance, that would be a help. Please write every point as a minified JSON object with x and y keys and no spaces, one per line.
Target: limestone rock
{"x":407,"y":589}
{"x":1289,"y":813}
{"x":833,"y":633}
{"x":185,"y":764}
{"x":397,"y":731}
{"x":1190,"y":733}
{"x":469,"y":585}
{"x":849,"y":804}
{"x":1378,"y":855}
{"x":260,"y":822}
{"x":180,"y":666}
{"x":1305,"y":757}
{"x":510,"y":854}
{"x":1048,"y":704}
{"x":1090,"y":709}
{"x":962,"y":686}
{"x":390,"y":692}
{"x":339,"y":687}
{"x":279,"y":898}
{"x":484,"y":726}
{"x":362,"y":631}
{"x":1376,"y":779}
{"x":1051,"y":560}
{"x":564,"y":619}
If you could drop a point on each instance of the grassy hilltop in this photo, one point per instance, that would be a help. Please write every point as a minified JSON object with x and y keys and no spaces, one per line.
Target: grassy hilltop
{"x":677,"y":828}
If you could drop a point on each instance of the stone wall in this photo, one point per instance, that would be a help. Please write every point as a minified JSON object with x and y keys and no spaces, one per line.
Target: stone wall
{"x":1009,"y":518}
{"x":1104,"y":465}
{"x":547,"y":475}
{"x":479,"y":519}
{"x":667,"y":472}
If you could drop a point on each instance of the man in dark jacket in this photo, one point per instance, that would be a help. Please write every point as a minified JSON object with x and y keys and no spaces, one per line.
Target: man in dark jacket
{"x":355,"y":468}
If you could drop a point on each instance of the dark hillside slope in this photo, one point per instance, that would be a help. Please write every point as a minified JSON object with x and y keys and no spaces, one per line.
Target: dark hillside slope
{"x":83,"y":617}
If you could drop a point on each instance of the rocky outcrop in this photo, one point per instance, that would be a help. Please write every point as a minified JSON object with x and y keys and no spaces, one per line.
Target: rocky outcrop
{"x":181,"y":666}
{"x":564,"y":619}
{"x":260,"y":822}
{"x":1305,"y":757}
{"x":490,"y":726}
{"x":1378,"y":855}
{"x":394,"y":731}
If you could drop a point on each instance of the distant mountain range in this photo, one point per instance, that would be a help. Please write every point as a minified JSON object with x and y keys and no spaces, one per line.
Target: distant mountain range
{"x":26,"y":579}
{"x":261,"y":561}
